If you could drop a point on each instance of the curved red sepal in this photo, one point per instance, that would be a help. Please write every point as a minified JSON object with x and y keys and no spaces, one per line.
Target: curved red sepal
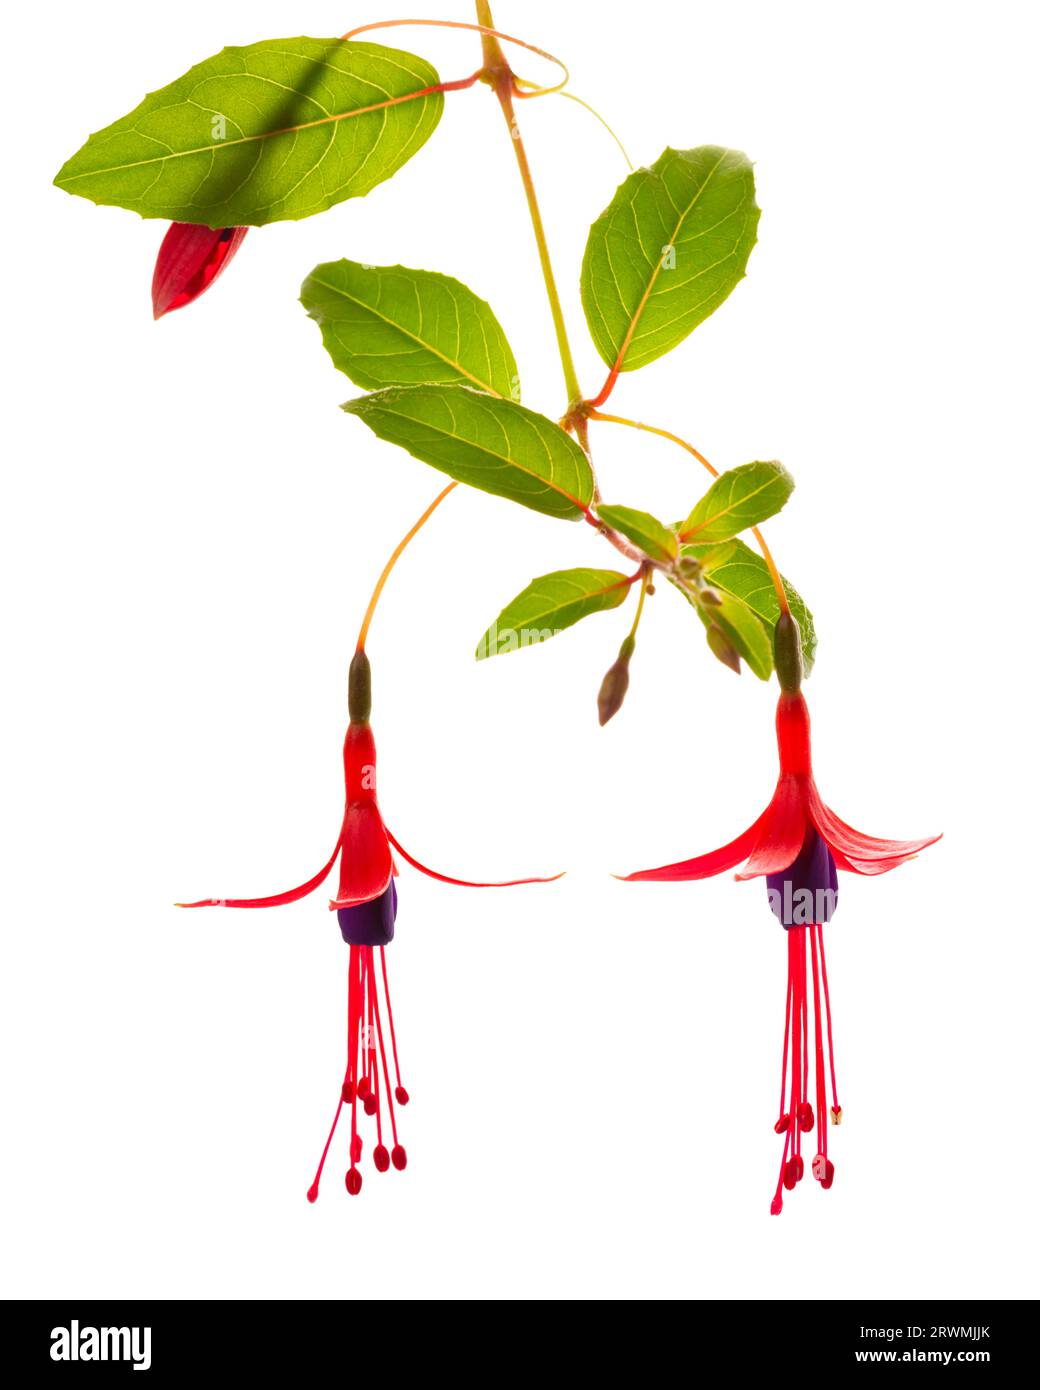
{"x":367,"y":864}
{"x":190,"y":259}
{"x":277,"y":899}
{"x":783,"y":831}
{"x":854,"y":846}
{"x":464,"y":882}
{"x":716,"y":861}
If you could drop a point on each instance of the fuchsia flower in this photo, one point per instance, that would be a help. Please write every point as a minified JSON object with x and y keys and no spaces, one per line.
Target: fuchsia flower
{"x":190,"y":259}
{"x":366,"y":907}
{"x":798,"y":843}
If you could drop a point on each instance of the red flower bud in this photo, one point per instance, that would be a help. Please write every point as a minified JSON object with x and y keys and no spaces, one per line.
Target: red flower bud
{"x":190,"y":259}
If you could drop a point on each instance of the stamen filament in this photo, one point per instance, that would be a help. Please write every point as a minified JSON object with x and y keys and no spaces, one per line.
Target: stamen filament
{"x":830,"y":1033}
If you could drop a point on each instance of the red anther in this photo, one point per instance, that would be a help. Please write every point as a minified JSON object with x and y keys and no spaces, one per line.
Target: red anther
{"x":363,"y":1088}
{"x":805,"y":1117}
{"x":799,"y":1167}
{"x":776,"y":1206}
{"x":370,"y":1105}
{"x":401,"y":1095}
{"x":355,"y":1149}
{"x":782,"y":1123}
{"x":312,"y":1192}
{"x":828,"y":1174}
{"x":399,"y":1158}
{"x":353,"y":1181}
{"x":348,"y":1092}
{"x":791,"y":1174}
{"x":381,"y":1158}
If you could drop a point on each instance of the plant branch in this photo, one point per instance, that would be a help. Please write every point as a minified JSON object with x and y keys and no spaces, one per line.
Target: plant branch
{"x":774,"y":573}
{"x":499,"y":75}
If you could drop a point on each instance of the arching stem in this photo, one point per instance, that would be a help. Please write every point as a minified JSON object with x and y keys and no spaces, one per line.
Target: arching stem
{"x":388,"y":567}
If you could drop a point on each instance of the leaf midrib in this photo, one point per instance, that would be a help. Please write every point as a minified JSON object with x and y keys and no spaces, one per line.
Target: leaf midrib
{"x":585,"y":597}
{"x":392,"y":323}
{"x":730,"y":510}
{"x":633,"y":324}
{"x":502,"y":458}
{"x":218,"y":146}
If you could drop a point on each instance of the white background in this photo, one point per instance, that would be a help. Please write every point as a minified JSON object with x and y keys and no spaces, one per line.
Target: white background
{"x":191,"y":530}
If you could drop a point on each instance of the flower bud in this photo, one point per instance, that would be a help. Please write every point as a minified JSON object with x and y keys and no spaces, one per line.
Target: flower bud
{"x":723,"y":649}
{"x":190,"y":259}
{"x":359,"y":689}
{"x":787,"y":653}
{"x":615,"y":683}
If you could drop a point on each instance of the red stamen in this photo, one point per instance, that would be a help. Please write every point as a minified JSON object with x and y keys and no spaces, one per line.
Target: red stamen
{"x":821,"y":1085}
{"x":836,"y":1107}
{"x":400,"y":1094}
{"x":382,"y":1054}
{"x":785,"y":1119}
{"x":354,"y":1015}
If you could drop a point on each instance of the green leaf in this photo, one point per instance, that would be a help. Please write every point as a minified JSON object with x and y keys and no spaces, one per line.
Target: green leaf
{"x":642,"y":529}
{"x":746,"y":631}
{"x":737,"y":499}
{"x":671,"y":246}
{"x":489,"y":443}
{"x":550,"y":604}
{"x":391,"y":326}
{"x":740,"y":625}
{"x":741,"y":571}
{"x":273,"y":130}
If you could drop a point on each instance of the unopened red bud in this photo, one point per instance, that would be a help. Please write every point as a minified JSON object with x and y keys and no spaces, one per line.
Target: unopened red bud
{"x":723,"y":649}
{"x":190,"y":259}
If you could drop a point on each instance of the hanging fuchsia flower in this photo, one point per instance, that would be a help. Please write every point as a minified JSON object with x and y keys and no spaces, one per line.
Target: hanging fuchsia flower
{"x":190,"y":259}
{"x":798,"y":844}
{"x":366,"y":907}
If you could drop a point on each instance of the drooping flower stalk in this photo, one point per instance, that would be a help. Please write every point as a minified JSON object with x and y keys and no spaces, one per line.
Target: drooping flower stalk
{"x":366,"y":907}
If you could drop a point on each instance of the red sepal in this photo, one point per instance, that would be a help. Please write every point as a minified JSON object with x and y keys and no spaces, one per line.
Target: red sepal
{"x":464,"y":882}
{"x":277,"y":899}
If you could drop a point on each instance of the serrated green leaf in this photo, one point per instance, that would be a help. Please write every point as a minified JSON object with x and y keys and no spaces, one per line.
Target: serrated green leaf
{"x":550,"y":604}
{"x":652,"y":536}
{"x":739,"y":570}
{"x":737,"y":499}
{"x":489,"y":443}
{"x":391,"y":326}
{"x":273,"y":130}
{"x":671,"y":246}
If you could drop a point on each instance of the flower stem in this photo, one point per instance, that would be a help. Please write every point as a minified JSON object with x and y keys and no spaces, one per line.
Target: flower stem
{"x":774,"y":573}
{"x":644,"y":586}
{"x":398,"y":552}
{"x":499,"y":75}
